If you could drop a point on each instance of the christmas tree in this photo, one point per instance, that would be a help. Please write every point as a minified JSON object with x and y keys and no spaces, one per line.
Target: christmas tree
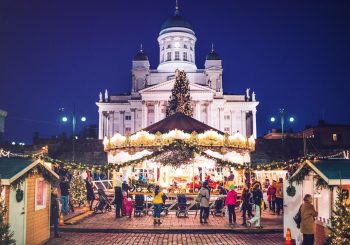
{"x":78,"y":189}
{"x":180,"y":99}
{"x":6,"y":236}
{"x":340,"y":221}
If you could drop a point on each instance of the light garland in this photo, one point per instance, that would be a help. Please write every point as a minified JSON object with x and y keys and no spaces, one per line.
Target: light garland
{"x":208,"y":138}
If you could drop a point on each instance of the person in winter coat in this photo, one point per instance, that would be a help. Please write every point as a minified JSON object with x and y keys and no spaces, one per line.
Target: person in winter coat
{"x":246,"y":206}
{"x":308,"y":214}
{"x":279,"y":196}
{"x":125,"y":187}
{"x":230,"y":202}
{"x":64,"y":186}
{"x":55,"y":212}
{"x":204,"y":203}
{"x":129,"y":207}
{"x":90,"y":195}
{"x":271,"y":196}
{"x":158,"y":204}
{"x":118,"y":200}
{"x":257,"y":198}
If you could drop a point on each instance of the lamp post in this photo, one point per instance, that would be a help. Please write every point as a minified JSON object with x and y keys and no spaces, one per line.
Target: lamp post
{"x":282,"y":115}
{"x":65,"y":119}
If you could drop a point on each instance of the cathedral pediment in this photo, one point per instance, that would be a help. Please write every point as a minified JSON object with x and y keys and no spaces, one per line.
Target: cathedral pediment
{"x":168,"y":86}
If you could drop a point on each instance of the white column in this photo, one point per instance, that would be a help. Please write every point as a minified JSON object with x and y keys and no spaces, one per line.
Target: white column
{"x":144,"y":114}
{"x":133,"y":118}
{"x":210,"y":119}
{"x":243,"y":123}
{"x":111,"y":123}
{"x":254,"y":123}
{"x":122,"y":122}
{"x":198,"y":110}
{"x":221,"y":118}
{"x":156,"y":111}
{"x":100,"y":125}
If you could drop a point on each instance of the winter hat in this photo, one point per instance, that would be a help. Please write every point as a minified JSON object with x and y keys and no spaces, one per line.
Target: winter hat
{"x":232,"y":186}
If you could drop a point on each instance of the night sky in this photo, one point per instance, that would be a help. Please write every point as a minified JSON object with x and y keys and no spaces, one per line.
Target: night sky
{"x":56,"y":54}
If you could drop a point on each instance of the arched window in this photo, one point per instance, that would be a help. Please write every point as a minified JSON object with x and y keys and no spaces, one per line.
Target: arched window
{"x":177,"y":55}
{"x":185,"y":46}
{"x":185,"y":56}
{"x":168,"y":56}
{"x":169,"y":46}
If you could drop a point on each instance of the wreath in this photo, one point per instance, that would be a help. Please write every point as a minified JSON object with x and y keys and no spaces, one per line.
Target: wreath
{"x":19,"y":195}
{"x":291,"y":191}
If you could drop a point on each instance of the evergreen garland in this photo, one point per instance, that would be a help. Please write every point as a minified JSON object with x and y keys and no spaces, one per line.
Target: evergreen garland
{"x":340,"y":221}
{"x":180,"y":99}
{"x":6,"y":235}
{"x":78,"y":189}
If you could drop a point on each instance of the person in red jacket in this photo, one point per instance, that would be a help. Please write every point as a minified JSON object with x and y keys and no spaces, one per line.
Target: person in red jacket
{"x":271,"y":196}
{"x":230,"y":202}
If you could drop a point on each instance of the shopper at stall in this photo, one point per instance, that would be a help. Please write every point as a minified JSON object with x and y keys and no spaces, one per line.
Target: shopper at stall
{"x":204,"y":202}
{"x":308,"y":214}
{"x":257,"y":199}
{"x":271,"y":197}
{"x":55,"y":212}
{"x":90,"y":195}
{"x":230,"y":202}
{"x":246,"y":206}
{"x":231,"y":177}
{"x":64,"y":187}
{"x":279,"y":196}
{"x":125,"y":187}
{"x":157,"y":203}
{"x":118,"y":200}
{"x":254,"y":182}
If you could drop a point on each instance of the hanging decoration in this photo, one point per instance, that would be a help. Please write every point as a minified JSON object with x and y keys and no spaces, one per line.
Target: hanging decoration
{"x":291,"y":190}
{"x":19,"y":195}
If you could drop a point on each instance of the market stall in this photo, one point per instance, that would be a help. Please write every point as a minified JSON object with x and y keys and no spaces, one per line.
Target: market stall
{"x":178,"y":153}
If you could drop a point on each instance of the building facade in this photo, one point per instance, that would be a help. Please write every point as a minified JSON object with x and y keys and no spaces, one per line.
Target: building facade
{"x":151,"y":88}
{"x":3,"y":115}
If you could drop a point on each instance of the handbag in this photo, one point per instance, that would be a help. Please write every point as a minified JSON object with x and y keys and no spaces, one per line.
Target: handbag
{"x":297,"y":218}
{"x":199,"y":197}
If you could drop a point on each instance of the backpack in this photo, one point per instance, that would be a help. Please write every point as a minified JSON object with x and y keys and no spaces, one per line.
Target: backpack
{"x":199,"y":197}
{"x":297,"y":218}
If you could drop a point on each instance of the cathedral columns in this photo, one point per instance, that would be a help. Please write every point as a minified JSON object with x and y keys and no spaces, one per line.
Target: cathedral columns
{"x":122,"y":122}
{"x":254,"y":123}
{"x":221,"y":118}
{"x":100,"y":125}
{"x":144,"y":114}
{"x":133,"y":119}
{"x":111,"y":123}
{"x":156,"y":111}
{"x":198,"y":110}
{"x":243,"y":123}
{"x":209,"y":113}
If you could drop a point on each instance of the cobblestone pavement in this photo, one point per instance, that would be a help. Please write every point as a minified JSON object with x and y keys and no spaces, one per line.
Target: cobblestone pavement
{"x":168,"y":238}
{"x":170,"y":221}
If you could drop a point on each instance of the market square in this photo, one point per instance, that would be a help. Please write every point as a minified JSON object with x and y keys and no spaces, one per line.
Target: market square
{"x":174,"y":122}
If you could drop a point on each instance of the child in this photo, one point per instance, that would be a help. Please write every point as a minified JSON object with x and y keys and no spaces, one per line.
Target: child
{"x":124,"y":203}
{"x":129,"y":205}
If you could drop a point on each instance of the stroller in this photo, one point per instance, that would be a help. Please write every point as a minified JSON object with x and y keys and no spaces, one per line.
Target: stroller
{"x":181,"y":206}
{"x":139,"y":205}
{"x":103,"y":203}
{"x":218,"y":207}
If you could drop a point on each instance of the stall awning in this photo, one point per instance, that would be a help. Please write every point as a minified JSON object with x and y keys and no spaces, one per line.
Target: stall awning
{"x":181,"y":122}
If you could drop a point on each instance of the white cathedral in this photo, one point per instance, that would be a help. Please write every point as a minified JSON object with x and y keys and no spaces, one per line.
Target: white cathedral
{"x":151,"y":88}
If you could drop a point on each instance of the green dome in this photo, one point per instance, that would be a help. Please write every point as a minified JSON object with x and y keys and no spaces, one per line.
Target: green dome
{"x":176,"y":21}
{"x":213,"y":56}
{"x":140,"y":56}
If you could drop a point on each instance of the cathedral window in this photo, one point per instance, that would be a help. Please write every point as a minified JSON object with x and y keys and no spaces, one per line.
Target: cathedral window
{"x":127,"y":130}
{"x":168,"y":56}
{"x":227,"y":130}
{"x":127,"y":117}
{"x":185,"y":46}
{"x":191,"y":48}
{"x":169,"y":46}
{"x":163,"y":48}
{"x":185,"y":56}
{"x":162,"y":57}
{"x":177,"y":55}
{"x":227,"y":117}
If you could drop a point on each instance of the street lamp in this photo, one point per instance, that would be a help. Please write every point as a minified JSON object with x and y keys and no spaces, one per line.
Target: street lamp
{"x":291,"y":120}
{"x":64,"y":119}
